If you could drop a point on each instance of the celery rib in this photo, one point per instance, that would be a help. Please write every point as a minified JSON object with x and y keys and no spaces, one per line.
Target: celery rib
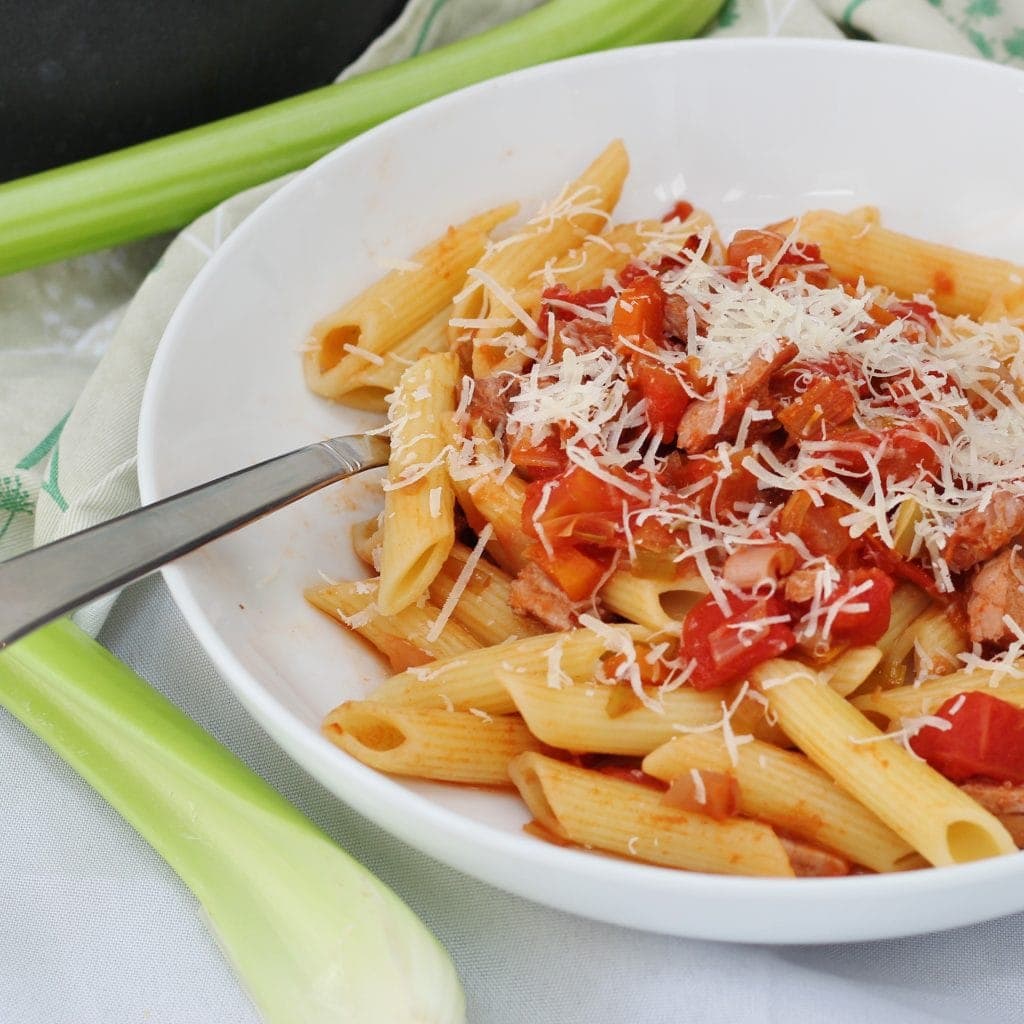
{"x":313,"y":936}
{"x":164,"y":184}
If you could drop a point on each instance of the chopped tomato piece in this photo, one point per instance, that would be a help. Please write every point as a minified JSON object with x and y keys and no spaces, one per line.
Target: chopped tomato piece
{"x":900,"y":567}
{"x":539,"y":461}
{"x":752,"y":251}
{"x":575,"y":507}
{"x":985,"y":738}
{"x":865,"y":618}
{"x":682,"y":210}
{"x":652,"y":673}
{"x":825,"y":404}
{"x":578,"y":574}
{"x":639,"y":314}
{"x":751,"y":247}
{"x":633,"y":272}
{"x":716,"y":794}
{"x":709,"y":483}
{"x":802,"y":259}
{"x":906,"y":309}
{"x":590,"y":298}
{"x":905,"y":452}
{"x":664,"y":394}
{"x":725,"y":646}
{"x":791,"y":380}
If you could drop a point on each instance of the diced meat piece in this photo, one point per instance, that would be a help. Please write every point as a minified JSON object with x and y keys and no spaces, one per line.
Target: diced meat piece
{"x":982,"y":533}
{"x":703,"y":424}
{"x":491,"y":397}
{"x":533,"y":593}
{"x":811,"y":861}
{"x":1005,"y":801}
{"x":675,"y":316}
{"x":801,"y":585}
{"x":583,"y":335}
{"x":997,"y":797}
{"x":746,"y":568}
{"x":996,"y":591}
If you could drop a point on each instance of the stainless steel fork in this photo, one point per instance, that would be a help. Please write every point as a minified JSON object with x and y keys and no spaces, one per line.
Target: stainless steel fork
{"x":49,"y":581}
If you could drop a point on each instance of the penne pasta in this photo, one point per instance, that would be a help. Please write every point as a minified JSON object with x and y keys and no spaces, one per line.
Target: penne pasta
{"x":368,"y":388}
{"x":405,"y":639}
{"x":391,"y":309}
{"x":418,"y":522}
{"x":938,"y":642}
{"x":470,"y":679}
{"x":897,"y":643}
{"x":857,"y":246}
{"x":593,"y":810}
{"x":850,"y":670}
{"x":657,"y":604}
{"x":575,"y":716}
{"x":450,"y":746}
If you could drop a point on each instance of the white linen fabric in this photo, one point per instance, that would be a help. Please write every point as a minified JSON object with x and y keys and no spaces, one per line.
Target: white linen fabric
{"x":96,"y":929}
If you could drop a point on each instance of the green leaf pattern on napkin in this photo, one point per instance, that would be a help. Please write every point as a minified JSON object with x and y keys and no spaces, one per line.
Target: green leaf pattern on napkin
{"x":14,"y":500}
{"x":993,"y":29}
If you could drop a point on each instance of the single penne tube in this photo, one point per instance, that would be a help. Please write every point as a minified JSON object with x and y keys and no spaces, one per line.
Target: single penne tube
{"x":594,"y":810}
{"x":581,"y":209}
{"x":937,"y":643}
{"x":849,"y":671}
{"x":469,"y":679}
{"x":406,"y":639}
{"x":855,"y":245}
{"x":897,"y":643}
{"x":926,"y":698}
{"x":936,"y":818}
{"x":490,"y":499}
{"x":655,"y":603}
{"x":576,"y":716}
{"x":786,"y":789}
{"x":419,"y":503}
{"x":370,"y":387}
{"x":484,"y":607}
{"x":391,"y":309}
{"x":449,"y":746}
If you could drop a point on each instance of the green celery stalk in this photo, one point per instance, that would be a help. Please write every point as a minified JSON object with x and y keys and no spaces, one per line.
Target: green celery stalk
{"x":168,"y":182}
{"x":313,"y":935}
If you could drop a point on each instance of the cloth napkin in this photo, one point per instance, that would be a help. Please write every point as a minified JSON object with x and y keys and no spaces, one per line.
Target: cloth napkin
{"x":95,"y":927}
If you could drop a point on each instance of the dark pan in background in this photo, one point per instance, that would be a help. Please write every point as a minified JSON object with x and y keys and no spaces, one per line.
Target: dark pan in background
{"x":83,"y":77}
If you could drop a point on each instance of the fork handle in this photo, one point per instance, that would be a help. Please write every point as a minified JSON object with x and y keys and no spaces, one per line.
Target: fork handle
{"x":45,"y":583}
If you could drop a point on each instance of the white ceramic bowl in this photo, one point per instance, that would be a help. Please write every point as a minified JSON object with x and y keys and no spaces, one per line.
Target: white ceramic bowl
{"x":753,"y":130}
